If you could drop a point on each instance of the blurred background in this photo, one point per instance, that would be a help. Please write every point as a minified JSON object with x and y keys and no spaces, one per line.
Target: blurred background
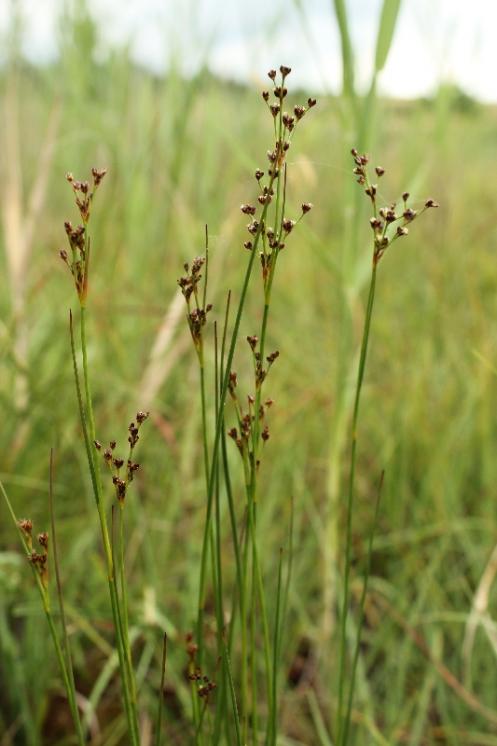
{"x":167,"y":97}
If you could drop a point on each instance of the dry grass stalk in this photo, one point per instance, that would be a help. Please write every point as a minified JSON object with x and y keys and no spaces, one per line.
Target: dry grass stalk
{"x":19,"y":225}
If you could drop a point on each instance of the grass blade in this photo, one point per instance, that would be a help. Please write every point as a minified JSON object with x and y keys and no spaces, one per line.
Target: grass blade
{"x":388,"y":21}
{"x":158,"y":734}
{"x":361,"y":610}
{"x":346,"y":47}
{"x":65,"y":639}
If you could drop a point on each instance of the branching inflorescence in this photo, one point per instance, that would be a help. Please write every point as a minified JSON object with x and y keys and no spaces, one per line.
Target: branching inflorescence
{"x":391,"y":222}
{"x":388,"y":225}
{"x":269,"y":230}
{"x":122,"y":471}
{"x":78,"y":260}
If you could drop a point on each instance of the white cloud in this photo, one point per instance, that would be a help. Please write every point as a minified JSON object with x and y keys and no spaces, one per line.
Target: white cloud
{"x":447,"y":39}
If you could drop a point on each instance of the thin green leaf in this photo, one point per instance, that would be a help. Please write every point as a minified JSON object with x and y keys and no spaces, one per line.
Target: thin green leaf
{"x":158,"y":733}
{"x":388,"y":21}
{"x":346,"y":46}
{"x":71,"y":692}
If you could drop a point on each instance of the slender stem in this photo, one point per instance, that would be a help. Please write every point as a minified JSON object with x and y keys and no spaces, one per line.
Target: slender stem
{"x":361,"y":612}
{"x":273,"y":723}
{"x":124,"y":597}
{"x":262,"y":605}
{"x":88,"y":423}
{"x":123,"y":667}
{"x":222,"y":398}
{"x":253,"y":644}
{"x":243,"y":630}
{"x":233,"y":697}
{"x":45,"y":599}
{"x":207,"y":525}
{"x":71,"y":693}
{"x":236,"y":540}
{"x":221,"y":700}
{"x":350,"y":505}
{"x":158,"y":731}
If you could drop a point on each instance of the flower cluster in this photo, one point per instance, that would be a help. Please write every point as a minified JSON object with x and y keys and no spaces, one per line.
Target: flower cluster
{"x":252,"y":425}
{"x":39,"y":560}
{"x":272,"y":190}
{"x":269,"y":229}
{"x":204,"y":685}
{"x":122,"y":479}
{"x":387,"y":223}
{"x":190,"y":287}
{"x":78,"y":258}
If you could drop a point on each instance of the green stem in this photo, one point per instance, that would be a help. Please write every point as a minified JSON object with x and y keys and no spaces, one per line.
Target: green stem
{"x":158,"y":730}
{"x":262,"y":605}
{"x":243,"y":633}
{"x":273,"y":723}
{"x":207,"y":525}
{"x":88,"y":423}
{"x":253,"y":651}
{"x":222,"y":398}
{"x":233,"y":698}
{"x":45,"y":599}
{"x":361,"y":613}
{"x":350,"y":505}
{"x":124,"y":597}
{"x":67,"y":648}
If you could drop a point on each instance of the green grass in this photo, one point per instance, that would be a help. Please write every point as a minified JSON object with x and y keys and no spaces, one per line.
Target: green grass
{"x":427,"y":417}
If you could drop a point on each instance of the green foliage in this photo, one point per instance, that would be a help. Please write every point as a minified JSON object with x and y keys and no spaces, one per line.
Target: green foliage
{"x":173,"y":149}
{"x":388,"y":20}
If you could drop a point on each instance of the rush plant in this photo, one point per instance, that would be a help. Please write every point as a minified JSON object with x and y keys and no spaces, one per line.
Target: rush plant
{"x":232,"y":658}
{"x":269,"y":230}
{"x":389,"y":224}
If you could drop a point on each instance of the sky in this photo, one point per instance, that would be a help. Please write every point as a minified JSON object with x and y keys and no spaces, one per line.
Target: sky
{"x":436,"y":40}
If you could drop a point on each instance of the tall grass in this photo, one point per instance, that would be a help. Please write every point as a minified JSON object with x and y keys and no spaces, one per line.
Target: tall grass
{"x":431,"y":362}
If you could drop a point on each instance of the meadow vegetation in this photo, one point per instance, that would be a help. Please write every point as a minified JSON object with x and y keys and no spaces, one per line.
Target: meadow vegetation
{"x":181,"y":153}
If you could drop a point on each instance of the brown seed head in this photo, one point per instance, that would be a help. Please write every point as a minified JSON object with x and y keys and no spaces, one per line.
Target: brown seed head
{"x":26,"y":526}
{"x":280,"y":92}
{"x":98,"y":174}
{"x":272,"y":357}
{"x":409,"y":214}
{"x":253,"y":227}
